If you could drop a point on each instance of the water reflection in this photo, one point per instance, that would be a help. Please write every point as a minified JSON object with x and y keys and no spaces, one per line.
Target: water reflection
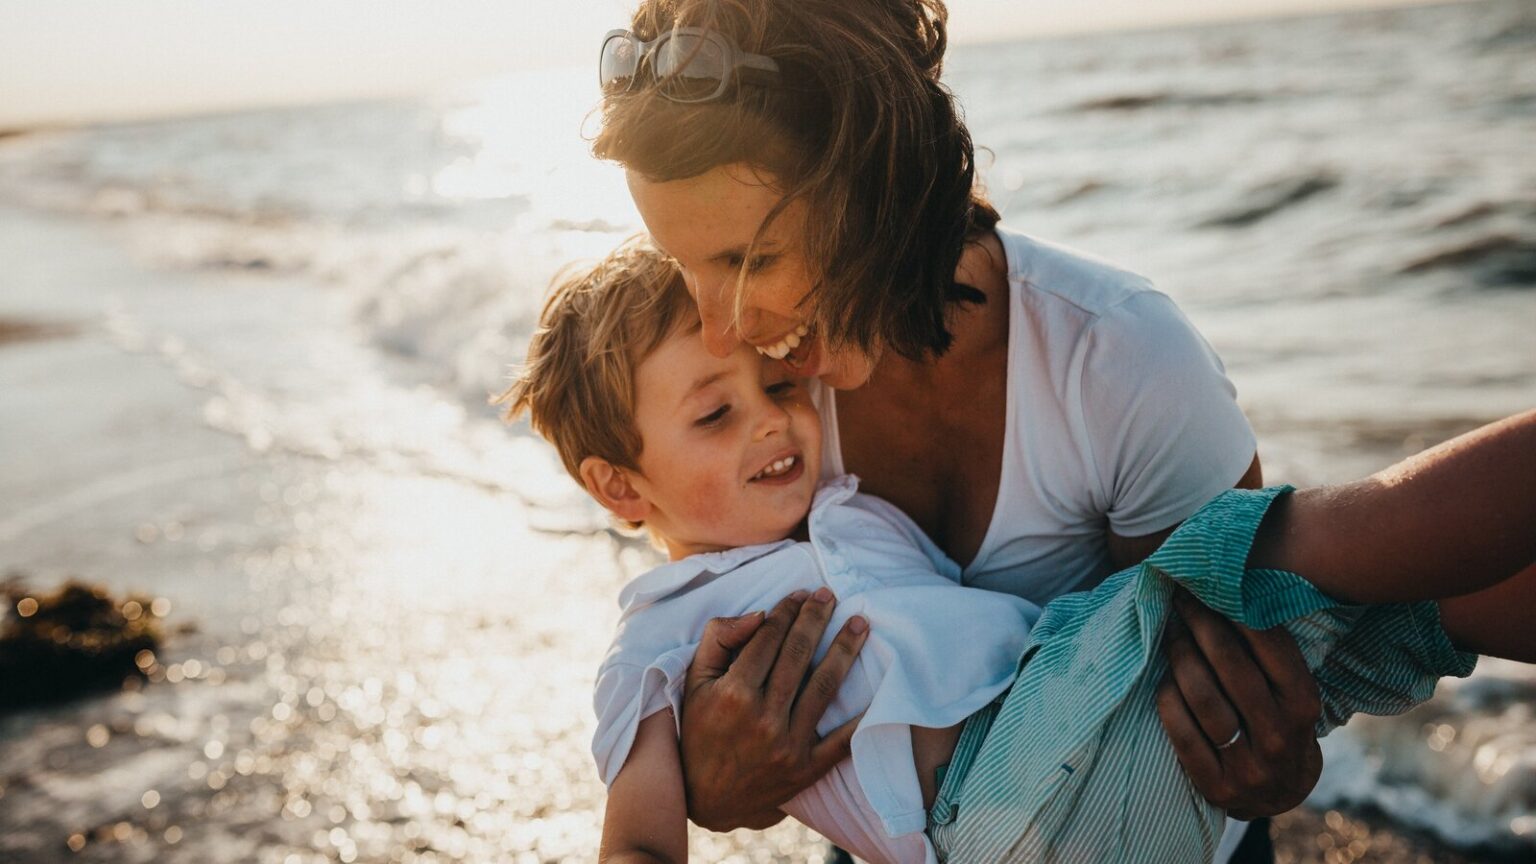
{"x":409,"y":681}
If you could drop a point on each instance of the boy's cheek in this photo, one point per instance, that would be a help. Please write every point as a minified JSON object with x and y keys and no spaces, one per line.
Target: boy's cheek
{"x":708,"y":499}
{"x":810,"y":435}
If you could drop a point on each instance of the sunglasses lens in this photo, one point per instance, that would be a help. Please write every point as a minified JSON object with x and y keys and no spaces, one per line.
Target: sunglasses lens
{"x":620,"y":60}
{"x":691,"y":68}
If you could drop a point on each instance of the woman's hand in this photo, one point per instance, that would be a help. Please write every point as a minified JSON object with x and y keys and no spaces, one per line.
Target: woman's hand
{"x":749,"y":739}
{"x":1240,"y":707}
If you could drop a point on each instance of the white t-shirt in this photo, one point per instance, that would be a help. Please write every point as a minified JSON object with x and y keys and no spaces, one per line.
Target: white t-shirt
{"x":1120,"y":416}
{"x":935,"y":655}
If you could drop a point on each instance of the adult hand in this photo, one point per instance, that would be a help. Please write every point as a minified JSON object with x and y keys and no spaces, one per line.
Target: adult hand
{"x":1240,"y":707}
{"x":749,"y":739}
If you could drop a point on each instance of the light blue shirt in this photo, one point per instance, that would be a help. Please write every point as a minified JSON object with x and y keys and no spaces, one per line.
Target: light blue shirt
{"x":936,"y":653}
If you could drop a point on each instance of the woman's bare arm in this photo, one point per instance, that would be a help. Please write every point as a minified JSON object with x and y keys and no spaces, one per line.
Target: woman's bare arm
{"x":1495,"y":621}
{"x":1453,"y":520}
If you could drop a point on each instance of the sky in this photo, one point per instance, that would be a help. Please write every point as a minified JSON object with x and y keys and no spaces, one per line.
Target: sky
{"x":64,"y":61}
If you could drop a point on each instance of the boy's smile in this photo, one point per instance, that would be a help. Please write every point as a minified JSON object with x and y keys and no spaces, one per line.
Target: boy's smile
{"x":730,"y":447}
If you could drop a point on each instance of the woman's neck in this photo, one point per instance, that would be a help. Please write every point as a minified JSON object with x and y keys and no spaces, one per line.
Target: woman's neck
{"x":979,"y":329}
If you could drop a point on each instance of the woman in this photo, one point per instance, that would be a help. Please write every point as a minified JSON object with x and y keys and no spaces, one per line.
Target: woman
{"x":1046,"y":418}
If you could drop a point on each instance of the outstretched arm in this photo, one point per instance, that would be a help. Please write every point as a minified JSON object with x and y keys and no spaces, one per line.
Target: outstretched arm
{"x":1450,"y":521}
{"x":647,"y":817}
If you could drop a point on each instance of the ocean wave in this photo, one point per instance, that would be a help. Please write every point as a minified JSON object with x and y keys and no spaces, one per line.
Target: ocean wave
{"x":1461,"y":767}
{"x":1518,"y":31}
{"x":1167,"y":99}
{"x":1264,"y":201}
{"x":1494,"y":260}
{"x":1076,"y":191}
{"x":1475,"y":212}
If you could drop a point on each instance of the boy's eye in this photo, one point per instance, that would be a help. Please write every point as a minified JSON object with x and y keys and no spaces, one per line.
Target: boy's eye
{"x":782,"y":388}
{"x":713,"y":417}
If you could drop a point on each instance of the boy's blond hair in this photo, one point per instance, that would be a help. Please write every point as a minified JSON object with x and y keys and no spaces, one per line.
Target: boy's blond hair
{"x":598,"y":325}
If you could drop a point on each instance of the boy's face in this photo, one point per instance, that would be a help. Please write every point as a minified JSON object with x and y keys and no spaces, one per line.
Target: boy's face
{"x":730,"y":446}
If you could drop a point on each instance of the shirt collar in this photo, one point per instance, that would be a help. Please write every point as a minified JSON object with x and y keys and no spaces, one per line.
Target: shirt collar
{"x":835,"y":491}
{"x":667,"y":579}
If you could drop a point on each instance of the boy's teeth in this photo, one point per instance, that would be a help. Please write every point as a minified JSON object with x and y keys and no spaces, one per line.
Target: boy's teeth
{"x":779,"y":466}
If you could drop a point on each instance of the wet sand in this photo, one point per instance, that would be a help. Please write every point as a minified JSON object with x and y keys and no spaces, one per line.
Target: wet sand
{"x":1308,"y":836}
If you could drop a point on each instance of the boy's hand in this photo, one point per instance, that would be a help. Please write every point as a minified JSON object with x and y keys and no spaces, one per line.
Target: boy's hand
{"x":749,"y":739}
{"x":1240,"y":707}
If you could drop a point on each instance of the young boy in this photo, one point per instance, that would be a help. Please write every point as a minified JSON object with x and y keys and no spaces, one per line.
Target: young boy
{"x":964,"y":751}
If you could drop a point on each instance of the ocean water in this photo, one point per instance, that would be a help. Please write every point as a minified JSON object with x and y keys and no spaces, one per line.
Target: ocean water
{"x":399,"y":604}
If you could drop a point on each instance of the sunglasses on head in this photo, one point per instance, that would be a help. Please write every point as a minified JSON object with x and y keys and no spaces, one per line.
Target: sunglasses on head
{"x":688,"y":64}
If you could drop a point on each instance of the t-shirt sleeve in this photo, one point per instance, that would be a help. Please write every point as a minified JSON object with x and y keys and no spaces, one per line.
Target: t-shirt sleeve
{"x":1164,"y":430}
{"x":628,"y":693}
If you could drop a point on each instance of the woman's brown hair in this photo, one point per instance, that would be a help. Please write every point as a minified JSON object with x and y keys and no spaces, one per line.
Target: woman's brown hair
{"x":859,"y":127}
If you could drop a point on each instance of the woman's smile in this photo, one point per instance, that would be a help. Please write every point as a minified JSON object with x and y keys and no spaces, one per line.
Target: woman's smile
{"x":782,"y":348}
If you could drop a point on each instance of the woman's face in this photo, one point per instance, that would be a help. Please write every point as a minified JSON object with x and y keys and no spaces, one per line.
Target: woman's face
{"x":707,"y":223}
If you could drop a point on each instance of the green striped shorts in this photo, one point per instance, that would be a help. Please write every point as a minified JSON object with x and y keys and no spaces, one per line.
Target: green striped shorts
{"x":1073,"y":765}
{"x":941,"y":817}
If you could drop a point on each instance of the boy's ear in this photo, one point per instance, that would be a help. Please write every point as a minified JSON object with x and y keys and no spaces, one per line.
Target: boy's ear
{"x":611,"y":487}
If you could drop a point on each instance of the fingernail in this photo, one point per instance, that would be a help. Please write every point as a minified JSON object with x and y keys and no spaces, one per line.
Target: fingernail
{"x":823,"y":595}
{"x":799,"y":596}
{"x":857,"y":625}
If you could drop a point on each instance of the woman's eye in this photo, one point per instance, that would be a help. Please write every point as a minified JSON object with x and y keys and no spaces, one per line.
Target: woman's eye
{"x":755,"y":264}
{"x":714,"y":417}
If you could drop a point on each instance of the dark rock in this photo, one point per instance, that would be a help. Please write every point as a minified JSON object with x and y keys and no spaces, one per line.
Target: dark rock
{"x":75,"y":640}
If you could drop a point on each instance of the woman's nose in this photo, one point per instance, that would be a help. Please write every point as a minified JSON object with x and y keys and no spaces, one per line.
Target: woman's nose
{"x":716,"y":315}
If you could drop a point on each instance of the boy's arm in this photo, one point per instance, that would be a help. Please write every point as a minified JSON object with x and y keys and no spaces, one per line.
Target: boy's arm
{"x":1450,"y":521}
{"x":647,"y":817}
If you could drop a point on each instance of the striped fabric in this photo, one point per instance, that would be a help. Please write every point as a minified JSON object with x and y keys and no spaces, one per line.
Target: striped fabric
{"x":941,"y":817}
{"x":1076,"y":765}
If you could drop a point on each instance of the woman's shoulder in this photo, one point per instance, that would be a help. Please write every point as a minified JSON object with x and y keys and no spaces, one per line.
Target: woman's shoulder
{"x":1053,"y":275}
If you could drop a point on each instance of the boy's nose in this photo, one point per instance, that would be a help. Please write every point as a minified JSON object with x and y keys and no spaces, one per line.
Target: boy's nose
{"x":773,"y":419}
